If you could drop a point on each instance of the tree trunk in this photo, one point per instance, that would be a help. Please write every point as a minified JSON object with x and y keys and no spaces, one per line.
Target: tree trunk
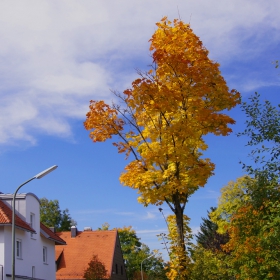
{"x":179,"y":214}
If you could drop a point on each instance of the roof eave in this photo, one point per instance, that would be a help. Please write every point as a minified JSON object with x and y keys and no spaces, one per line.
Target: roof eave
{"x":19,"y":227}
{"x":57,"y":242}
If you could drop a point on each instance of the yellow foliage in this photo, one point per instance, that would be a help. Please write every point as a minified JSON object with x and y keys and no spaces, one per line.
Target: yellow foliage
{"x":180,"y":263}
{"x":163,"y":117}
{"x":171,"y":109}
{"x":233,"y":195}
{"x":210,"y":265}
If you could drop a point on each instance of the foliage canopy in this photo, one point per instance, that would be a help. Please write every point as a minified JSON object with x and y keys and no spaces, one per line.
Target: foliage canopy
{"x":52,"y":216}
{"x":134,"y":252}
{"x":162,"y":119}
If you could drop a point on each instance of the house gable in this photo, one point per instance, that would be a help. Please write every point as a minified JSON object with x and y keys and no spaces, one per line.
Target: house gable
{"x":6,"y":218}
{"x":73,"y":259}
{"x":35,"y":243}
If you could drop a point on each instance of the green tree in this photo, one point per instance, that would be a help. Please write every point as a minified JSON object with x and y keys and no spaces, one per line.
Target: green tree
{"x":52,"y":216}
{"x":210,"y":265}
{"x":153,"y":267}
{"x":104,"y":226}
{"x":254,"y":225}
{"x":255,"y":236}
{"x":249,"y":208}
{"x":209,"y":259}
{"x":96,"y":270}
{"x":263,"y":129}
{"x":134,"y":252}
{"x":248,"y":211}
{"x":232,"y":197}
{"x":208,"y":237}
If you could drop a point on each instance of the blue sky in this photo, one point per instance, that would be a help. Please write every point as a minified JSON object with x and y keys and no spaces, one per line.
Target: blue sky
{"x":55,"y":56}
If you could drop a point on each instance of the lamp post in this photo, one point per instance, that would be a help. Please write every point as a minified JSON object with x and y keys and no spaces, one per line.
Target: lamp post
{"x":142,"y":263}
{"x":38,"y":176}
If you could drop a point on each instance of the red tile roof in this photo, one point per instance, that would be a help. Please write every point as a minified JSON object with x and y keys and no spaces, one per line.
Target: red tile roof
{"x":74,"y":257}
{"x":48,"y":233}
{"x":6,"y":218}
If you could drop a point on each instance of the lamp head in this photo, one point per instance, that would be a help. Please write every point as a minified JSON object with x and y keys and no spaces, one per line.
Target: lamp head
{"x":45,"y":172}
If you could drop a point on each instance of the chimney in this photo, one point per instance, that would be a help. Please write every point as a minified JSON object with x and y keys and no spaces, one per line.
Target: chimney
{"x":73,"y":232}
{"x":87,"y":229}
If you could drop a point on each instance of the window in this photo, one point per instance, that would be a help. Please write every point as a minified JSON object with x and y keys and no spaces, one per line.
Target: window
{"x":32,"y":222}
{"x":45,"y":254}
{"x":18,"y":249}
{"x":121,"y":270}
{"x":116,"y":269}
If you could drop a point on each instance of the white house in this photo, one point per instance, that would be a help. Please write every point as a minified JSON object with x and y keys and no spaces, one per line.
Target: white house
{"x":35,"y":243}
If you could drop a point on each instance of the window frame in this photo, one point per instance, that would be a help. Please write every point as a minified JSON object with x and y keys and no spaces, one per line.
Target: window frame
{"x":33,"y":271}
{"x":19,"y":248}
{"x":32,"y":224}
{"x":45,"y":255}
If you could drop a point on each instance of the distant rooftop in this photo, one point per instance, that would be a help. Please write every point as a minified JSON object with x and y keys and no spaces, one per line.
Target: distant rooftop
{"x":73,"y":259}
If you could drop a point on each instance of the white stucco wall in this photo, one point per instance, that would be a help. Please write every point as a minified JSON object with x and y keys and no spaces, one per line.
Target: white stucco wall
{"x":2,"y":255}
{"x":32,"y":246}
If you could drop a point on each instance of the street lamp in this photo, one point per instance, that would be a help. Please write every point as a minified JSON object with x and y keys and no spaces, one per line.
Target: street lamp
{"x":142,"y":263}
{"x":38,"y":176}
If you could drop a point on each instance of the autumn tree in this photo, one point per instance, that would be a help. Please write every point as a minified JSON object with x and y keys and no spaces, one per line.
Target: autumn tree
{"x":233,"y":196}
{"x":52,"y":216}
{"x":249,"y":208}
{"x":254,"y":221}
{"x":210,"y":265}
{"x":162,"y":119}
{"x":248,"y":211}
{"x":96,"y":270}
{"x":179,"y":256}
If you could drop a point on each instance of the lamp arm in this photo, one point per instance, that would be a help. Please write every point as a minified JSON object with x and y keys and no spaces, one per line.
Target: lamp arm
{"x":13,"y":227}
{"x":38,"y":176}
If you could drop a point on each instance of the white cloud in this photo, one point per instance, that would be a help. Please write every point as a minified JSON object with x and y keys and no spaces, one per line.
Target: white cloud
{"x":255,"y":84}
{"x":93,"y":211}
{"x":149,"y":216}
{"x":195,"y":230}
{"x":152,"y":231}
{"x":125,"y":213}
{"x":57,"y":55}
{"x":207,"y":194}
